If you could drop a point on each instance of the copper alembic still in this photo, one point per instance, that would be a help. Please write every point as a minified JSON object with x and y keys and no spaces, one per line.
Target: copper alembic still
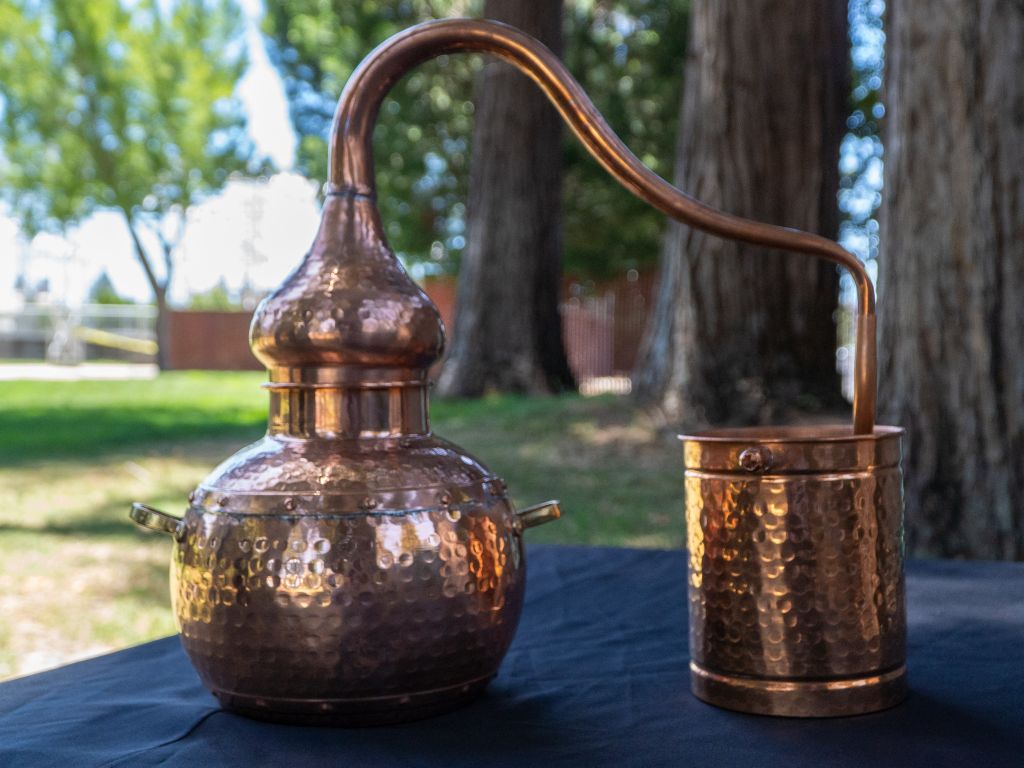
{"x":353,"y":568}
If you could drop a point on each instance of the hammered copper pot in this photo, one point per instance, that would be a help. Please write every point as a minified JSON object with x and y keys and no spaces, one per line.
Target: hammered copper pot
{"x":352,"y":567}
{"x":301,"y":595}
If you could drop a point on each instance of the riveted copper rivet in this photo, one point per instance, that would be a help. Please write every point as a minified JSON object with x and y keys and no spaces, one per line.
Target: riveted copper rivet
{"x":757,"y":458}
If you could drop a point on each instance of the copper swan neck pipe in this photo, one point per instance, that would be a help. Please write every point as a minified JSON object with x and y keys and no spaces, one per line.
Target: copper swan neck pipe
{"x":351,"y":158}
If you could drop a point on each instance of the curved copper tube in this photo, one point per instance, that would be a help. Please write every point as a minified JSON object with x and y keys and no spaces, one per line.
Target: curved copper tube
{"x":351,"y":157}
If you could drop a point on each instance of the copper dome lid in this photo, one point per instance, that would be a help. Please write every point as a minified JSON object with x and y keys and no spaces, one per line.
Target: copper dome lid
{"x":349,"y":312}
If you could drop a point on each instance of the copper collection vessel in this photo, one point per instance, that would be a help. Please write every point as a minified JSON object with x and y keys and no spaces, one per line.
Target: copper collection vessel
{"x":353,"y":568}
{"x":796,"y":597}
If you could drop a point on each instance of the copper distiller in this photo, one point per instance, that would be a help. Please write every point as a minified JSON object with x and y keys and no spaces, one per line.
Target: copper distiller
{"x":351,"y":567}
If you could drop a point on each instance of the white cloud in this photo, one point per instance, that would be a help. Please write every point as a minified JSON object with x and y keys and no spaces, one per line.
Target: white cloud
{"x":255,"y":231}
{"x":262,"y":93}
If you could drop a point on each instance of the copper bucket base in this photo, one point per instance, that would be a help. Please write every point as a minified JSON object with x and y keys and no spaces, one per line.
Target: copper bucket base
{"x":796,"y":594}
{"x":800,"y":698}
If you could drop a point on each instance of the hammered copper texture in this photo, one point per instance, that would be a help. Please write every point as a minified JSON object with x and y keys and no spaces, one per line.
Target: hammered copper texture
{"x":331,"y":615}
{"x":281,"y":475}
{"x":349,"y":304}
{"x":796,"y":577}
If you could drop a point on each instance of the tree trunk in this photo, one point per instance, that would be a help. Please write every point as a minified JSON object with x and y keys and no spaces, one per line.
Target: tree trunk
{"x":158,"y":286}
{"x":737,"y":334}
{"x":163,"y":339}
{"x":507,"y":334}
{"x":952,"y":271}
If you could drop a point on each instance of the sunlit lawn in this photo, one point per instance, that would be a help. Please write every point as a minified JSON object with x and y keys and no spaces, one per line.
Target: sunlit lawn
{"x":78,"y":578}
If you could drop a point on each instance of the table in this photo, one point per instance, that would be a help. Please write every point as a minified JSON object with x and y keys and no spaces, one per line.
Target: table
{"x":597,"y":676}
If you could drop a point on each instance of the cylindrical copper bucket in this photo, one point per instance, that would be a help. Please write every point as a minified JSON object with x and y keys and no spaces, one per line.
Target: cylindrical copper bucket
{"x":795,"y":538}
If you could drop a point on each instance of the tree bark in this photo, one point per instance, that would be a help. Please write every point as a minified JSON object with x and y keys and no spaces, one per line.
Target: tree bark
{"x":738,"y":334}
{"x":158,"y":286}
{"x":163,"y":339}
{"x":952,"y":271}
{"x":507,"y":335}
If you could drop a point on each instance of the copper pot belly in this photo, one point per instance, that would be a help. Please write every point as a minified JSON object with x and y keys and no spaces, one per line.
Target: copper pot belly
{"x":348,"y":607}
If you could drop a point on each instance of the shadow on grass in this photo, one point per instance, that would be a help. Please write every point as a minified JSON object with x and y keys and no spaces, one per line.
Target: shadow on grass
{"x":43,"y":421}
{"x":86,"y":527}
{"x":619,"y":481}
{"x":95,"y":432}
{"x":104,"y":520}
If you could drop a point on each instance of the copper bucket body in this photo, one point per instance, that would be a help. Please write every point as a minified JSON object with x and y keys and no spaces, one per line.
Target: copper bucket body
{"x":796,"y":587}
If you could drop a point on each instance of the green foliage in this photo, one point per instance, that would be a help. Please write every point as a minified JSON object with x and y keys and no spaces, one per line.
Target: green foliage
{"x":217,"y":299}
{"x":422,"y":138}
{"x":118,"y":105}
{"x":103,"y":291}
{"x":627,"y":53}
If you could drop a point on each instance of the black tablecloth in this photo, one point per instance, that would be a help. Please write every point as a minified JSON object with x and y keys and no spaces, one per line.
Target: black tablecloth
{"x":597,"y":676}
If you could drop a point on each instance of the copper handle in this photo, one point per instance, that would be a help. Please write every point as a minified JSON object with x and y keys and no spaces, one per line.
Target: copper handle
{"x":538,"y":514}
{"x":351,"y":158}
{"x":155,"y":520}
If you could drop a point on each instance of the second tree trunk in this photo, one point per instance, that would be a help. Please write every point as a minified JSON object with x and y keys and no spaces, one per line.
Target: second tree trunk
{"x":507,"y":334}
{"x":952,"y":272}
{"x":737,"y":334}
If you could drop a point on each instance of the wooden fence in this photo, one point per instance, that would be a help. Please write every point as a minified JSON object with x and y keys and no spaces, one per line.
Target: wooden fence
{"x":602,"y":325}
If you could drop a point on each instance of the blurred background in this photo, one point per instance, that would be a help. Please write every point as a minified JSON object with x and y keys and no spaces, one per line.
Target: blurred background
{"x":161,"y":170}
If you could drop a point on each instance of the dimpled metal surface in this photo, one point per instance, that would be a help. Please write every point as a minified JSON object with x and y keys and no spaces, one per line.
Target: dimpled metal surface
{"x":349,"y":306}
{"x":281,"y":475}
{"x":349,"y":618}
{"x":796,"y":592}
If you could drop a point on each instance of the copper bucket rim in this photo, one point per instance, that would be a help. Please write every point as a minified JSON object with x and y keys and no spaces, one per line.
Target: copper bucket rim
{"x":805,"y":433}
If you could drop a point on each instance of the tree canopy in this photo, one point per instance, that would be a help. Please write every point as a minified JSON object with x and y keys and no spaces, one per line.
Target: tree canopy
{"x":118,"y":105}
{"x":103,"y":291}
{"x":114,"y":105}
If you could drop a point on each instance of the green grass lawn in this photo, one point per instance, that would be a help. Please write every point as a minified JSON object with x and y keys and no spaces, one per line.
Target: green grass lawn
{"x":79,"y":578}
